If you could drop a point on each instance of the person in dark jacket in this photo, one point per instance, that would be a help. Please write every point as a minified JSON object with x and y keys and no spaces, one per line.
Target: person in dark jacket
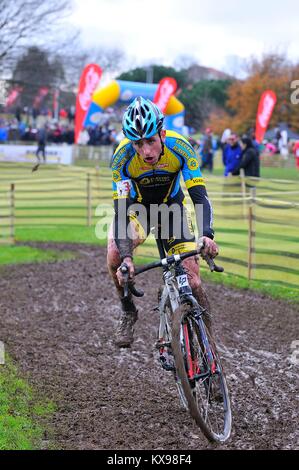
{"x":231,"y":155}
{"x":42,"y":136}
{"x":249,"y":161}
{"x":207,"y":152}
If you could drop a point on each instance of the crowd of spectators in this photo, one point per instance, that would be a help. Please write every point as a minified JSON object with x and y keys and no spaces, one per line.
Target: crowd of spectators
{"x":99,"y":135}
{"x":237,"y":152}
{"x":243,"y":152}
{"x":58,"y":132}
{"x":18,"y":131}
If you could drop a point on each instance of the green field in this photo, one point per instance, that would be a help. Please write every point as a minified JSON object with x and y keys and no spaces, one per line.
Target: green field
{"x":53,"y":204}
{"x":21,"y":412}
{"x":13,"y":254}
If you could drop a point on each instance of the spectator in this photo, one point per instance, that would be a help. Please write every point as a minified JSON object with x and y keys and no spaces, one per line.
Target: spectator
{"x":250,"y":160}
{"x":22,"y":129}
{"x":29,"y":134}
{"x":207,"y":152}
{"x":3,"y":132}
{"x":71,"y":114}
{"x":83,"y":137}
{"x":270,"y":148}
{"x":57,"y":133}
{"x":224,"y":138}
{"x":68,"y":135}
{"x":296,"y":153}
{"x":18,"y":114}
{"x":35,"y":114}
{"x":255,"y":143}
{"x":283,"y":144}
{"x":42,"y":135}
{"x":231,"y":154}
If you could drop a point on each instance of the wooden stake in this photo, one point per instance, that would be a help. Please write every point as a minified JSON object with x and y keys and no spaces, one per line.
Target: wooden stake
{"x":88,"y":201}
{"x":12,"y":213}
{"x":251,"y":232}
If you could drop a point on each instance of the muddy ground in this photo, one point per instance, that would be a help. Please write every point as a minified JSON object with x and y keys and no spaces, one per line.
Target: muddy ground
{"x":58,"y":319}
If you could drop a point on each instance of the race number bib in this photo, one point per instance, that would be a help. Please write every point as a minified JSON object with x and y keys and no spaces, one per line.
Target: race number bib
{"x":183,"y":281}
{"x":123,"y":187}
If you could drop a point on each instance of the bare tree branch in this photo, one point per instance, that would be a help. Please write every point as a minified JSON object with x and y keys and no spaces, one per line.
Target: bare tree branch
{"x":27,"y":22}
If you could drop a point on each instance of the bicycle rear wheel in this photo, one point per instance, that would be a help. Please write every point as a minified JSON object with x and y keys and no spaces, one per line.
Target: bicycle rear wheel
{"x":201,"y":375}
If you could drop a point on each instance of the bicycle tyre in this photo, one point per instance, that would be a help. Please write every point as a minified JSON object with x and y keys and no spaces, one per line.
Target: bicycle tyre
{"x":167,"y":335}
{"x":207,"y":397}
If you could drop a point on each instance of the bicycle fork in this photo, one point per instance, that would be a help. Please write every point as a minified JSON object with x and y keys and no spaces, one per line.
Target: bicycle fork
{"x":168,"y":300}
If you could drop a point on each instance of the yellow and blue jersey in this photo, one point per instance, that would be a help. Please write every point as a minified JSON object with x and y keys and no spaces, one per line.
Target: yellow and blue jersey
{"x":137,"y":181}
{"x":145,"y":183}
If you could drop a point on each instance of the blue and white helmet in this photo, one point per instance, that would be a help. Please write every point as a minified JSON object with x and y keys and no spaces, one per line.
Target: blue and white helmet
{"x":142,"y":119}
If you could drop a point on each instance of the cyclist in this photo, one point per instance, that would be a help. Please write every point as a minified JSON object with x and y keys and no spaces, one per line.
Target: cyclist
{"x":146,"y":169}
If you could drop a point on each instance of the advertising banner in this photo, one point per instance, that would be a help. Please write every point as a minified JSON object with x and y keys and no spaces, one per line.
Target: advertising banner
{"x":55,"y":154}
{"x":42,"y":92}
{"x":13,"y":95}
{"x":88,"y":83}
{"x":264,"y":113}
{"x":166,"y":88}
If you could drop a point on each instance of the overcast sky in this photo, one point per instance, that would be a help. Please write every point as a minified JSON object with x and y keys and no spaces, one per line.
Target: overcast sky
{"x":216,"y":33}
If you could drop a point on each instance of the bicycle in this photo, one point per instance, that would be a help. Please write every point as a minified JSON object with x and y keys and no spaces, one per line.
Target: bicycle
{"x":185,"y":346}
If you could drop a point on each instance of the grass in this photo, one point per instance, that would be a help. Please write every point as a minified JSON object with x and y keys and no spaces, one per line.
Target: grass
{"x":57,"y":233}
{"x":21,"y":413}
{"x":268,"y":172}
{"x":271,"y":288}
{"x":25,"y":254}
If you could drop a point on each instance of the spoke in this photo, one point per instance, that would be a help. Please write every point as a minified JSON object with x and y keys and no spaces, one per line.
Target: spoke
{"x":205,"y":390}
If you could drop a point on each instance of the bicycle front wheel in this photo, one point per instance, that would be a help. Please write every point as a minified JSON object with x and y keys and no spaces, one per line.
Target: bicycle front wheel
{"x":201,"y":375}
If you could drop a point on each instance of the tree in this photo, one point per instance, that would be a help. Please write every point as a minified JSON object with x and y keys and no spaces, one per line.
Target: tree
{"x":75,"y":58}
{"x":202,"y":98}
{"x":184,"y":61}
{"x":23,"y":20}
{"x":159,"y":72}
{"x":34,"y":70}
{"x":272,"y":72}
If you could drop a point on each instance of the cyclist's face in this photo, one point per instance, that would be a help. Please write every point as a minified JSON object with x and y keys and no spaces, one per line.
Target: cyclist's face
{"x":150,"y":149}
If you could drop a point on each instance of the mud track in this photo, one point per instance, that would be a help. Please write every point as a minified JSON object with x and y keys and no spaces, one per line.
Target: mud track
{"x":57,"y":320}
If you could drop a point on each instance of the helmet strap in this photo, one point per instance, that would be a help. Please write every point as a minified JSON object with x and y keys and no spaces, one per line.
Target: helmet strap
{"x":162,"y":146}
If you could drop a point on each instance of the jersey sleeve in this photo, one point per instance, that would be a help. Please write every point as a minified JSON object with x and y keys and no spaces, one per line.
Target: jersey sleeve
{"x":190,"y":163}
{"x":121,"y":187}
{"x":195,"y":184}
{"x":121,"y":183}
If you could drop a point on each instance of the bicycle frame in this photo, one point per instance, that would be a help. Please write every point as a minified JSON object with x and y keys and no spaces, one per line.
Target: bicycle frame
{"x":174,"y":295}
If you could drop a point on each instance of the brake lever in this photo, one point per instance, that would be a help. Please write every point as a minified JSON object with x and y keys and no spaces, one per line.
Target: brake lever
{"x":125,"y":272}
{"x":129,"y":285}
{"x":212,"y":265}
{"x":135,"y":292}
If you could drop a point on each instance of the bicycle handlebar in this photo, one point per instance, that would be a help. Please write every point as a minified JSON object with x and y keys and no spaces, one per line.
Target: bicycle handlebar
{"x":168,"y":261}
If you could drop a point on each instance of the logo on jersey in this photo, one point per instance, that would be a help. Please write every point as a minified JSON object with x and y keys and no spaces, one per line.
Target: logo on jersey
{"x":155,"y":180}
{"x":116,"y":175}
{"x":192,"y":164}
